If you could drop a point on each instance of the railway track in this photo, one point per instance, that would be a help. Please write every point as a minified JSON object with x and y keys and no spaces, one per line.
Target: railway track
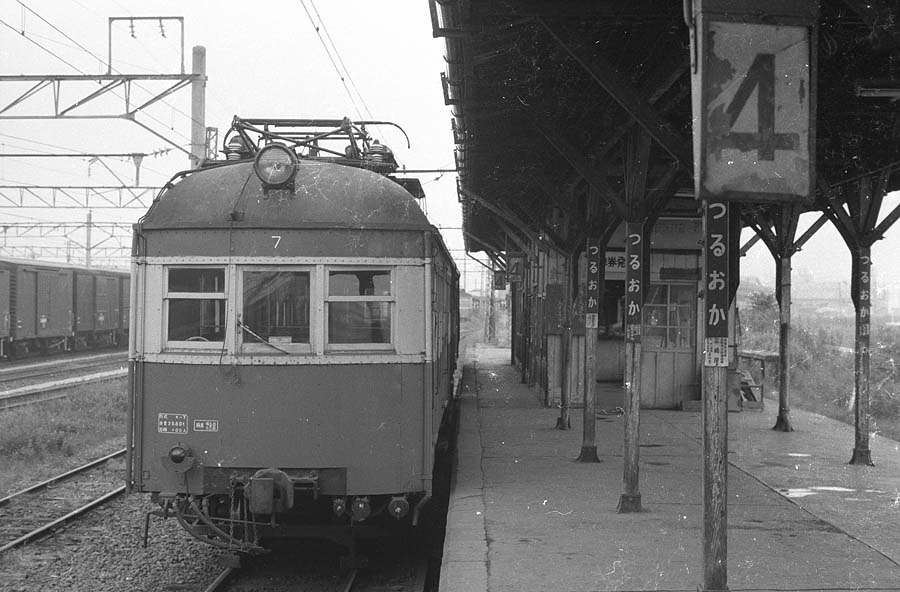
{"x":316,"y":570}
{"x":31,"y":383}
{"x":43,"y":508}
{"x":14,"y":372}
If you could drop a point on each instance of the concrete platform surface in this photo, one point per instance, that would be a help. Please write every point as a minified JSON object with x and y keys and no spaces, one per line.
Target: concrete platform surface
{"x":524,"y":516}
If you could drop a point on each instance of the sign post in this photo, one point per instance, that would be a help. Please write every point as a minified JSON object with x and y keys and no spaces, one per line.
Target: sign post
{"x":754,"y":96}
{"x":862,"y":300}
{"x":593,"y":290}
{"x":715,"y":395}
{"x":630,"y":500}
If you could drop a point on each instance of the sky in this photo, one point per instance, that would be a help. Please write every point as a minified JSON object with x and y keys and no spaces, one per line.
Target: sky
{"x":264,"y":60}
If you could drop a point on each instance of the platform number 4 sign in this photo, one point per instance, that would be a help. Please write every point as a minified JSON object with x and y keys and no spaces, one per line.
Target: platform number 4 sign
{"x":753,"y":81}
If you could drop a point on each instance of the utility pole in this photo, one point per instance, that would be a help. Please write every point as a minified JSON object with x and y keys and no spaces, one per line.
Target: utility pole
{"x":87,"y":242}
{"x":198,"y":106}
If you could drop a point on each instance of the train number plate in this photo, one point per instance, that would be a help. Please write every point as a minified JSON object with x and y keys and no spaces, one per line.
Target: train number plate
{"x":206,"y":425}
{"x":172,"y":423}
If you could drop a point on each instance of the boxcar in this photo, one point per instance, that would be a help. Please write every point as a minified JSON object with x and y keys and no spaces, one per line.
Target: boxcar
{"x":293,"y":343}
{"x":47,"y":307}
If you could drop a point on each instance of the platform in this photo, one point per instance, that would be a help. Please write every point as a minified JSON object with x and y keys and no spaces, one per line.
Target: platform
{"x":524,"y":516}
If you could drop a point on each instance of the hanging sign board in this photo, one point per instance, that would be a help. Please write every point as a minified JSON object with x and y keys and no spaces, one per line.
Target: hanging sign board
{"x":515,"y":271}
{"x":754,"y":99}
{"x":715,"y":284}
{"x":634,"y":278}
{"x":592,"y":305}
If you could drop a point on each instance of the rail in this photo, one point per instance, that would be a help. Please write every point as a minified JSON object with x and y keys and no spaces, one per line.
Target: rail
{"x":81,"y":509}
{"x":36,"y":393}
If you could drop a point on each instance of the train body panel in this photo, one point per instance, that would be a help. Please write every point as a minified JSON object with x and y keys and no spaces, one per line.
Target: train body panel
{"x":351,"y":418}
{"x":293,"y":349}
{"x":280,"y":242}
{"x":5,"y":317}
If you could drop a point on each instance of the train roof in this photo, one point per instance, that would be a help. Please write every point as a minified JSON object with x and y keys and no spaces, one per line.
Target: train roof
{"x":324,"y":195}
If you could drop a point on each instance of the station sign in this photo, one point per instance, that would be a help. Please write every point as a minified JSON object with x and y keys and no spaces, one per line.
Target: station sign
{"x":595,"y":259}
{"x":634,"y":280}
{"x":515,"y":270}
{"x":715,"y":284}
{"x":754,"y":99}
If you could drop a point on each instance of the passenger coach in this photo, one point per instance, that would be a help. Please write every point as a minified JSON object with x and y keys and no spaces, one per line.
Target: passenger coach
{"x":294,"y":339}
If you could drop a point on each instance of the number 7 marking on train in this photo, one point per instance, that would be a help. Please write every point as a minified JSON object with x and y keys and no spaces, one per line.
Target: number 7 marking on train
{"x":277,"y":238}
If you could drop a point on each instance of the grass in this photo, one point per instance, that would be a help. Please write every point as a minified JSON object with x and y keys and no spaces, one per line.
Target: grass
{"x":41,"y":440}
{"x":822,"y":370}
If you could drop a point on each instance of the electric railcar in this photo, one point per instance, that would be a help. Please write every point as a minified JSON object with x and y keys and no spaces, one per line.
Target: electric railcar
{"x":294,"y":340}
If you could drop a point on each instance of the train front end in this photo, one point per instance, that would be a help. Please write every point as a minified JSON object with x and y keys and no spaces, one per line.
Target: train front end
{"x":282,"y":353}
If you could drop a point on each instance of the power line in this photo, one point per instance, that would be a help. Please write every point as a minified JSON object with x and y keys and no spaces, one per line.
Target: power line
{"x":22,"y":33}
{"x":55,"y":28}
{"x":331,"y":58}
{"x":341,"y":61}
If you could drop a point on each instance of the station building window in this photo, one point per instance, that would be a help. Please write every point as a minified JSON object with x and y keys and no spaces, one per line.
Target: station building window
{"x":276,"y":305}
{"x":359,"y":307}
{"x":195,"y":304}
{"x":669,"y":316}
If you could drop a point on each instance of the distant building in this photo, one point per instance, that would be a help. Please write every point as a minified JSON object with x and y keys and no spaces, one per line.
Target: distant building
{"x":810,"y":296}
{"x":466,"y":304}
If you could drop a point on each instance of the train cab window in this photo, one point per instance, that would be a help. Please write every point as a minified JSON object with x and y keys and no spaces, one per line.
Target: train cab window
{"x":359,"y":307}
{"x":276,"y":308}
{"x":195,"y":304}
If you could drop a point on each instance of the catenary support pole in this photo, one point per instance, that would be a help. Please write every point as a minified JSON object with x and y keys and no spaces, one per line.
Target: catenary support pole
{"x":198,"y":106}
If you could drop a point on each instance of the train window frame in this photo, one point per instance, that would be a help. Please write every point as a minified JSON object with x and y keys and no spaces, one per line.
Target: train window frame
{"x":254,"y":348}
{"x":328,"y":298}
{"x":221,"y":296}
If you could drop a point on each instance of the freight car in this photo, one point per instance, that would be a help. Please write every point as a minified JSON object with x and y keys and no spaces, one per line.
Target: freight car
{"x":294,"y":340}
{"x":52,"y":307}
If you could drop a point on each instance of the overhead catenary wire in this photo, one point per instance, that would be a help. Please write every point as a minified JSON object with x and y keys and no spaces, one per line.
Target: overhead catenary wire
{"x":341,"y":61}
{"x":51,"y":52}
{"x":343,"y":74}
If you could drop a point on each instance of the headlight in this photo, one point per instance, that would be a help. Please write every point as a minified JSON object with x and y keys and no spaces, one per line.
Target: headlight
{"x":177,"y":454}
{"x":275,"y":165}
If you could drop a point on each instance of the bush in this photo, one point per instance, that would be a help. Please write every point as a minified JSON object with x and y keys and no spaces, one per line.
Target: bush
{"x":64,"y":426}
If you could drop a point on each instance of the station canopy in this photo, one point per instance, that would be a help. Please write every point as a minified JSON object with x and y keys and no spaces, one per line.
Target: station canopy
{"x":545,"y":96}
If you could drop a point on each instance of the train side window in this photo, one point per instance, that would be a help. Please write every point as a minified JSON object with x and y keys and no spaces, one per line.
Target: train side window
{"x":195,"y":304}
{"x":276,"y":307}
{"x":359,"y":307}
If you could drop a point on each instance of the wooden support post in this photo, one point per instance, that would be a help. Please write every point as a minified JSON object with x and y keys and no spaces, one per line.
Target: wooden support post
{"x":715,"y":396}
{"x":630,"y":500}
{"x":862,"y":302}
{"x":783,"y":422}
{"x":596,"y":255}
{"x":715,"y":476}
{"x":564,"y":421}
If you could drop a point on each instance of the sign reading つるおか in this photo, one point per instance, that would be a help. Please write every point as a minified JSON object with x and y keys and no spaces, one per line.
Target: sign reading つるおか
{"x":754,"y":103}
